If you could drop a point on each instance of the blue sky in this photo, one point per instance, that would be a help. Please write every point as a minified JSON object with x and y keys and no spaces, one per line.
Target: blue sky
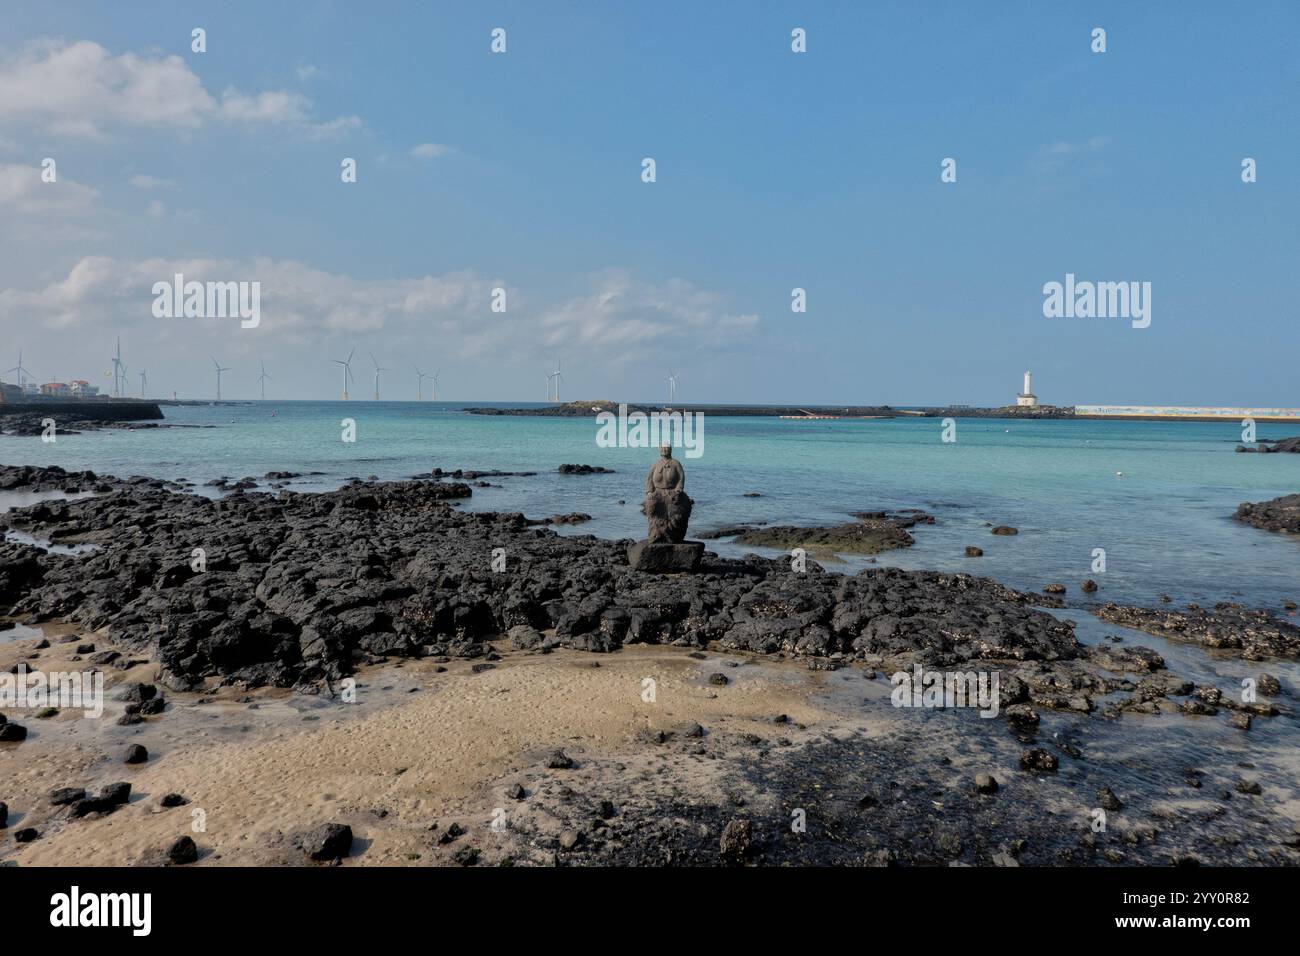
{"x":775,"y":170}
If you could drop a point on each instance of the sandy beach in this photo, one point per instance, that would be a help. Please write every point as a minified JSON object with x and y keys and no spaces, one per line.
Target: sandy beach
{"x":418,"y":751}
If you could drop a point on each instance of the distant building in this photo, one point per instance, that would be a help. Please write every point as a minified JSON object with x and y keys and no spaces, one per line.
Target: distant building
{"x":10,"y":393}
{"x":31,"y":390}
{"x":1027,"y":398}
{"x":56,"y":390}
{"x":83,"y":389}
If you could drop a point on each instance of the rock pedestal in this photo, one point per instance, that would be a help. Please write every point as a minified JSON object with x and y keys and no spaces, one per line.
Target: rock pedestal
{"x":665,"y":558}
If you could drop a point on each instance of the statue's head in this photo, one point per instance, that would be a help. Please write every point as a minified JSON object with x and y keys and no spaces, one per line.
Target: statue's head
{"x":666,"y":451}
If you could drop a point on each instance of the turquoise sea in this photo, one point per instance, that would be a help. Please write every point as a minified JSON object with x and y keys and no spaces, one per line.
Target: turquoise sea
{"x":1165,"y":522}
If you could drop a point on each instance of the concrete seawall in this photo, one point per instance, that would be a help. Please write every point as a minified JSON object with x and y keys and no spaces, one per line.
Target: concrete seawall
{"x":1208,"y":413}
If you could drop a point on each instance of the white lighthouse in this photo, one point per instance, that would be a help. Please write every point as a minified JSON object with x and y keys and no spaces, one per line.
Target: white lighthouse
{"x":1027,"y":397}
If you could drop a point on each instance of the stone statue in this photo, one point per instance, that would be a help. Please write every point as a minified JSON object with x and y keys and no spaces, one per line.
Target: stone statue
{"x":666,"y":507}
{"x":667,"y":510}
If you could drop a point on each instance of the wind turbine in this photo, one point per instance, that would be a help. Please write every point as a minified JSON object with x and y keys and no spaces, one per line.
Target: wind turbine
{"x":19,"y":369}
{"x":119,"y":370}
{"x":219,"y":371}
{"x":144,"y":382}
{"x":419,"y":383}
{"x":261,"y":380}
{"x":347,"y":371}
{"x":378,"y":369}
{"x":434,"y":376}
{"x":672,"y":386}
{"x":558,"y":376}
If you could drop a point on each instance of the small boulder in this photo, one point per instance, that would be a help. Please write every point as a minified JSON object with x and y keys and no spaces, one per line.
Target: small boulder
{"x":183,"y":851}
{"x":559,"y":761}
{"x":139,"y":693}
{"x":1038,"y":759}
{"x":1107,"y":800}
{"x":737,"y":839}
{"x":466,"y":856}
{"x":11,"y":733}
{"x":329,"y":841}
{"x":1021,"y":715}
{"x":115,"y":794}
{"x":66,"y":795}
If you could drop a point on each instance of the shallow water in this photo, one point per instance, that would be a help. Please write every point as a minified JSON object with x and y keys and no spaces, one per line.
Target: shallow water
{"x":1166,"y":525}
{"x":22,"y":537}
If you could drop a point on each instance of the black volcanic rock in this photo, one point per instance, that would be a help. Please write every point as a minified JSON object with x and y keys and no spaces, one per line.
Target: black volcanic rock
{"x":183,"y":851}
{"x":1277,"y":514}
{"x":872,"y":533}
{"x":329,"y":841}
{"x":1256,"y":634}
{"x":1268,"y":446}
{"x":12,"y":733}
{"x":300,"y":587}
{"x":584,"y":470}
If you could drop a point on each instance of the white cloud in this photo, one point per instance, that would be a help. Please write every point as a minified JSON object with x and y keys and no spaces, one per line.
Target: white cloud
{"x":81,"y":90}
{"x":1064,"y":148}
{"x":272,"y":107}
{"x":623,"y":312}
{"x":334,"y":127}
{"x":307,"y":306}
{"x":151,"y":182}
{"x":22,"y":190}
{"x":430,"y":150}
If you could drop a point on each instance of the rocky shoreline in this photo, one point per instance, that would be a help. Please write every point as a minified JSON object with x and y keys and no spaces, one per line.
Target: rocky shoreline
{"x":288,"y":588}
{"x":301,"y":587}
{"x":259,"y":590}
{"x":34,"y":425}
{"x":1271,"y":446}
{"x":1278,"y":514}
{"x":86,"y":412}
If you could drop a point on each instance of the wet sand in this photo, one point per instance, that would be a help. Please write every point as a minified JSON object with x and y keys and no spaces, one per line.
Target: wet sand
{"x":418,"y":747}
{"x":429,"y":749}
